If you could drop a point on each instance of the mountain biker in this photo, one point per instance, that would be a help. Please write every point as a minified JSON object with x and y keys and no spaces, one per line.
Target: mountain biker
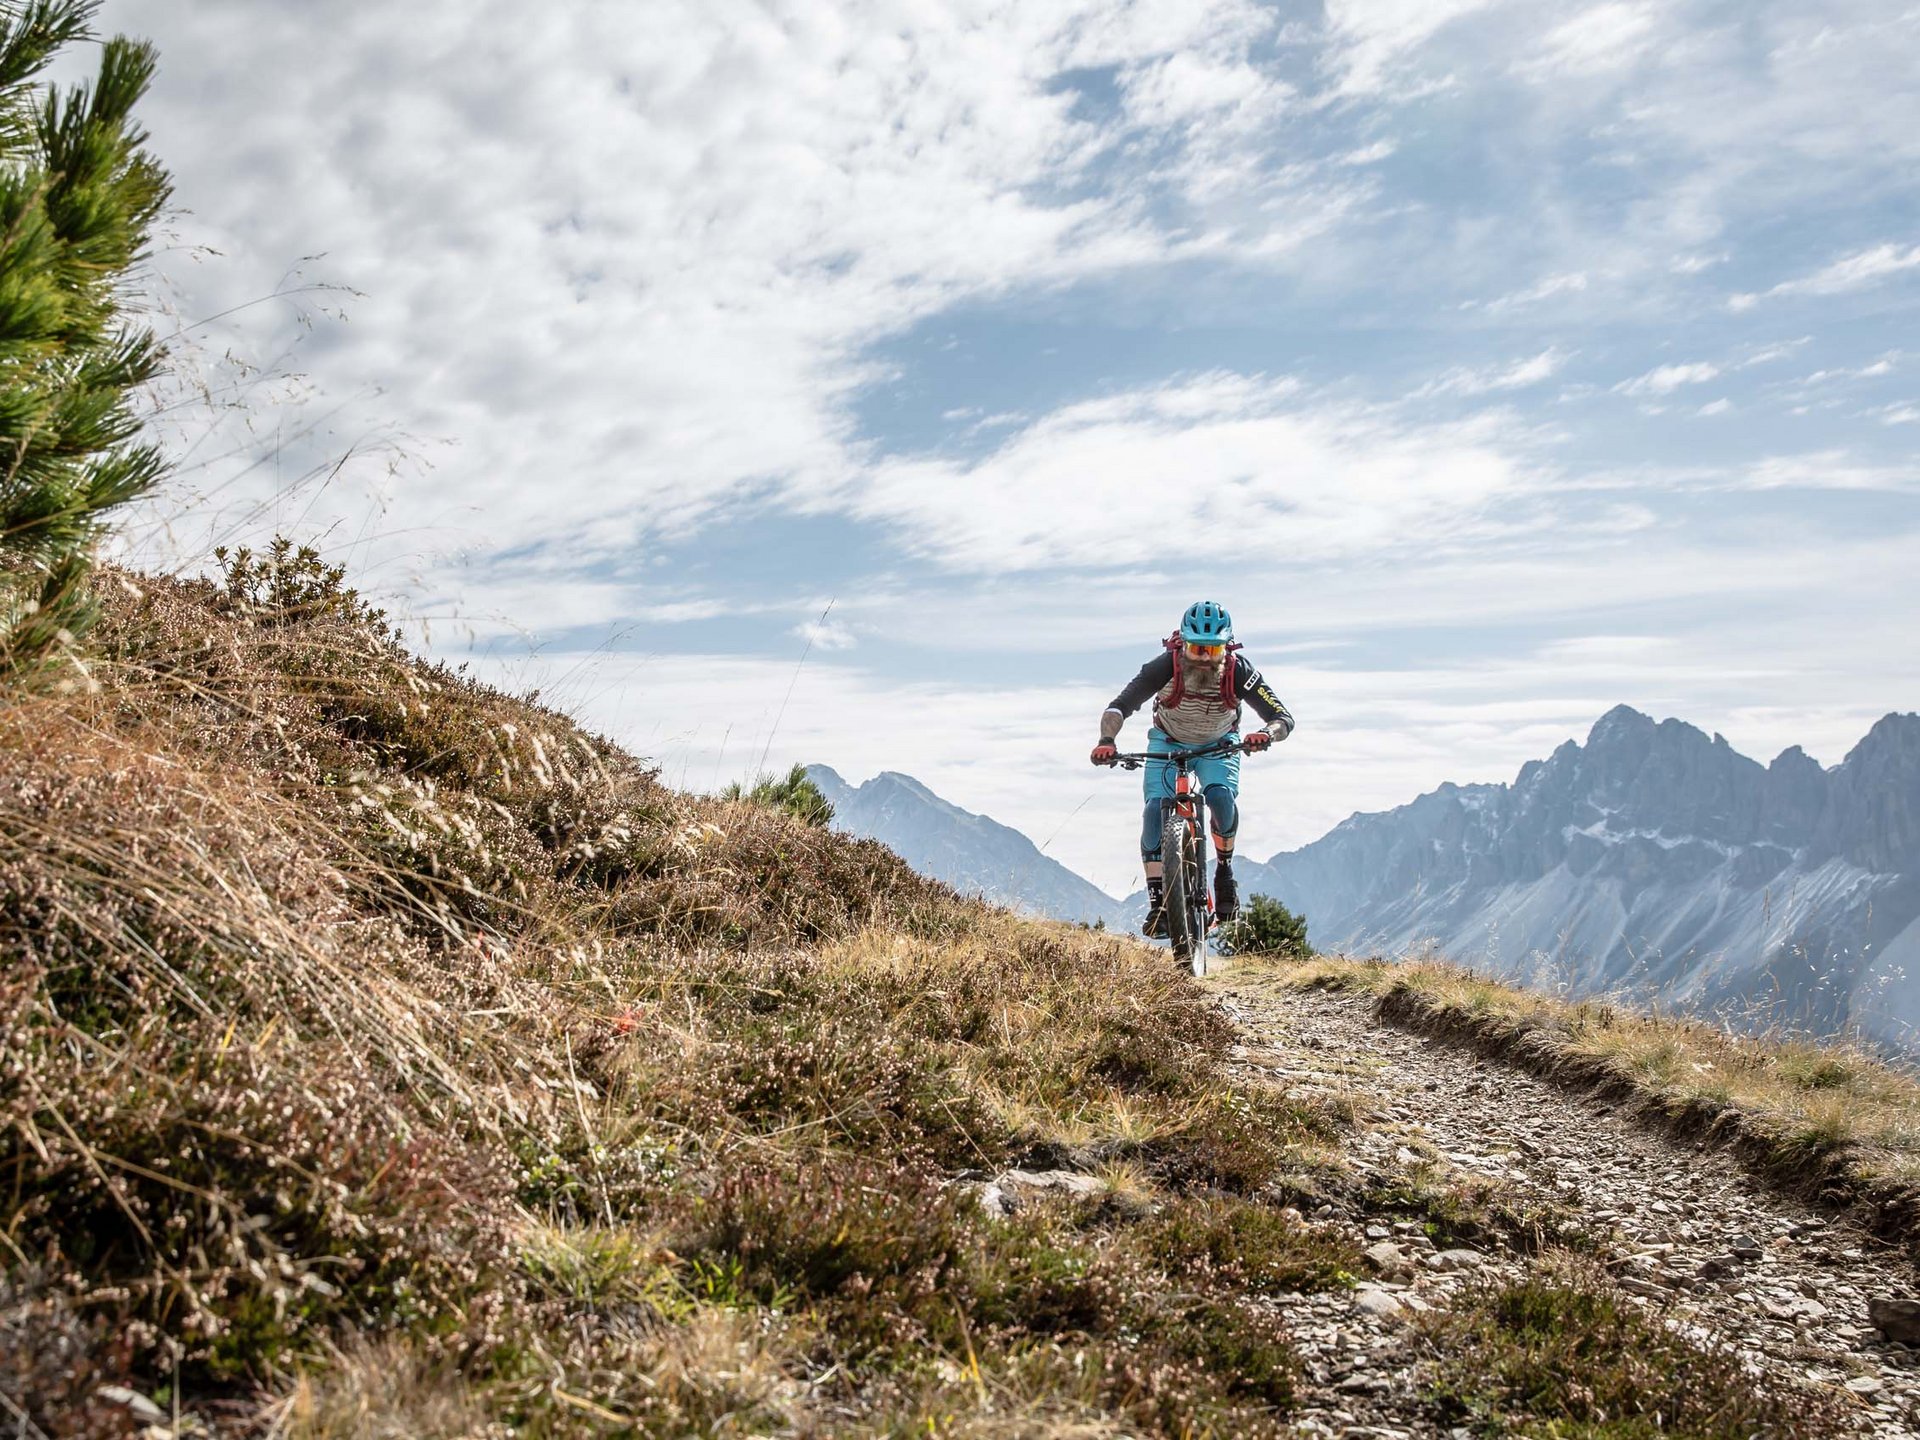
{"x":1197,"y":683}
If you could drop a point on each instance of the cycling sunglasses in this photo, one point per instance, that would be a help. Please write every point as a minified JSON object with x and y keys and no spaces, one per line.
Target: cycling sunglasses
{"x":1204,"y":652}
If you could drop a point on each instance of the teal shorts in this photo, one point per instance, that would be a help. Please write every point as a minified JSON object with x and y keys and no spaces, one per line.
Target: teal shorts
{"x":1218,"y":775}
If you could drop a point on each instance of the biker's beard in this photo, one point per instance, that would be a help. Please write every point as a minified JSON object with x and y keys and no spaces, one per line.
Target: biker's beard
{"x":1204,"y":674}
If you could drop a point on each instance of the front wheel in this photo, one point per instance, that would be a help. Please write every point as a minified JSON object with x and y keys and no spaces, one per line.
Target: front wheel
{"x":1199,"y":908}
{"x":1173,"y":866}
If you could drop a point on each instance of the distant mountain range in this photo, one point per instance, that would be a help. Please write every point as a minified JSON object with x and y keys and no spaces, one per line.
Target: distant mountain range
{"x":1657,"y":860}
{"x":975,"y":855}
{"x":1653,"y":859}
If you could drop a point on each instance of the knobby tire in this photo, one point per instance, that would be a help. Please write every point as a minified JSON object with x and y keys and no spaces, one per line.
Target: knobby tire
{"x":1196,"y":888}
{"x":1173,"y":866}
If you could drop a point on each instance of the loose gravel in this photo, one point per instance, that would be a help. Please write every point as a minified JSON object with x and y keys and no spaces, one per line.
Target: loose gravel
{"x":1684,"y":1230}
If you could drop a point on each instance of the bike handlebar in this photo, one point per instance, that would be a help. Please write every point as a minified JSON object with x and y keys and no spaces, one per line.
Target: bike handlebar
{"x":1219,"y":747}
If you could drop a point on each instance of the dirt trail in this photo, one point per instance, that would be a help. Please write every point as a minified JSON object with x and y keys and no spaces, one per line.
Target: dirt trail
{"x":1688,"y":1232}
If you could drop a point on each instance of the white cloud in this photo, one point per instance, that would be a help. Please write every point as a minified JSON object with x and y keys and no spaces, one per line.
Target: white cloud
{"x":1872,"y":370}
{"x":593,"y":243}
{"x":1708,"y":130}
{"x":1371,"y":40}
{"x":1571,"y":283}
{"x":1600,"y":37}
{"x":1697,"y":263}
{"x":1185,"y":89}
{"x":1722,"y":406}
{"x":1112,"y":483}
{"x":1517,"y":376}
{"x":826,"y":635}
{"x":1849,"y":273}
{"x":1855,"y":272}
{"x":1828,"y":470}
{"x":1767,"y":354}
{"x":1371,"y":154}
{"x":1665,"y":379}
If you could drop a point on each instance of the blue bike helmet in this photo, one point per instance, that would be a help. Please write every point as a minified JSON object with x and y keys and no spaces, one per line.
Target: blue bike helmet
{"x":1206,"y":623}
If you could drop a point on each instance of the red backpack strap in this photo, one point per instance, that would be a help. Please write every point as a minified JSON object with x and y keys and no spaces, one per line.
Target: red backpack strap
{"x":1229,"y":674}
{"x":1172,"y":643}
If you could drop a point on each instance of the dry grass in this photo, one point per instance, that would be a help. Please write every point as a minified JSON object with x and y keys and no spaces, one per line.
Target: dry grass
{"x":1560,"y":1352}
{"x":1808,"y":1116}
{"x":386,"y":1055}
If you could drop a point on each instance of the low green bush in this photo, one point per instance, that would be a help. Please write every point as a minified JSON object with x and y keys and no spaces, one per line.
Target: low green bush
{"x":1266,"y":927}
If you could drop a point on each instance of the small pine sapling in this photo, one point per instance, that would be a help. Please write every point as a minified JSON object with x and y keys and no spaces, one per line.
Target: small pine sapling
{"x":78,"y":198}
{"x":1267,"y":927}
{"x":793,"y":792}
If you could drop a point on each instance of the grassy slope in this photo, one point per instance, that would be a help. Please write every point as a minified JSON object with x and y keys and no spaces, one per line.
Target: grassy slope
{"x":385,"y":1053}
{"x":386,"y":1056}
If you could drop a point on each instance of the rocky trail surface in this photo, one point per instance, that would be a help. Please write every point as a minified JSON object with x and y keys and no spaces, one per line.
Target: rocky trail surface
{"x":1683,"y":1229}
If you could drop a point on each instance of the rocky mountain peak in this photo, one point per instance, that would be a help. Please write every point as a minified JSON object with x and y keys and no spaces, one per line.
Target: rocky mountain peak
{"x":1620,"y":725}
{"x":971,"y":852}
{"x":1638,"y":775}
{"x":1793,"y":795}
{"x":1872,"y":816}
{"x":1794,"y":760}
{"x":896,"y":780}
{"x":1894,"y":739}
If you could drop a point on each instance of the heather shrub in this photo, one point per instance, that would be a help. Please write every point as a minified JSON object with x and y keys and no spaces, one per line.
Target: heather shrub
{"x":232,"y":1207}
{"x":289,"y":584}
{"x":1562,"y":1351}
{"x":900,"y":1269}
{"x":1252,"y":1247}
{"x":877,"y":1246}
{"x":57,"y":1366}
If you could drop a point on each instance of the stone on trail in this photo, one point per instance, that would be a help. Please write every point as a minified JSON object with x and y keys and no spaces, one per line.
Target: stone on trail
{"x":992,"y":1199}
{"x":138,"y":1405}
{"x":1895,"y":1319}
{"x":1379,"y":1302}
{"x":1389,"y":1259}
{"x":1001,"y":1195}
{"x":1448,"y":1261}
{"x":1069,"y":1180}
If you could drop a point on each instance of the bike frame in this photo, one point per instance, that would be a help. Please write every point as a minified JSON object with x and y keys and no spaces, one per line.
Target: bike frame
{"x":1185,"y":872}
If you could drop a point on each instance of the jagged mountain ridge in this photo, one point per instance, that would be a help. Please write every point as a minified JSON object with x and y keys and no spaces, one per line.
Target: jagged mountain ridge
{"x":1656,"y":859}
{"x":972,"y":853}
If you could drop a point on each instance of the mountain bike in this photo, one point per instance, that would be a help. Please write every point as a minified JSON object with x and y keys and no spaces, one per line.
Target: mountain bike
{"x":1183,"y":850}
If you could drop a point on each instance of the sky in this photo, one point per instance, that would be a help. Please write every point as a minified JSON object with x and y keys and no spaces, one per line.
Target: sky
{"x":874,"y":384}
